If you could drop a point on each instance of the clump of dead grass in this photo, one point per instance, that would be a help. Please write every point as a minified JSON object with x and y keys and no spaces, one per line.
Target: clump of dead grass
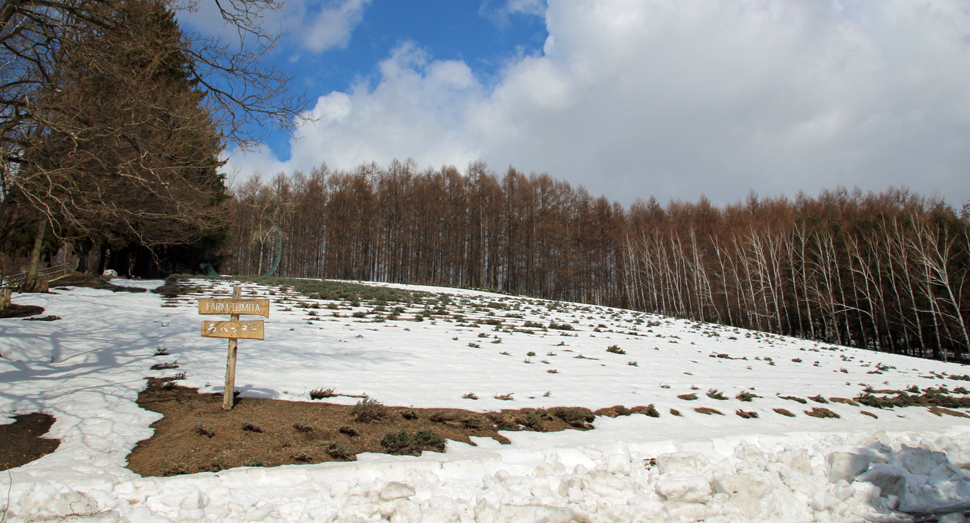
{"x":368,"y":410}
{"x":822,"y":412}
{"x":408,"y":443}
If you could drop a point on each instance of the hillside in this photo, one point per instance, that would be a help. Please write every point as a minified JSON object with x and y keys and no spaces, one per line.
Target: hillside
{"x":435,"y":348}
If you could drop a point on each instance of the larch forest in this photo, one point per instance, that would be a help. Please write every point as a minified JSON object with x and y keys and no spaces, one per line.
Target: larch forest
{"x":883,"y":271}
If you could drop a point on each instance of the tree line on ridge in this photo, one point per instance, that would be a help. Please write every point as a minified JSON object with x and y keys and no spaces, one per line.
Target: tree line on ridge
{"x":883,"y":271}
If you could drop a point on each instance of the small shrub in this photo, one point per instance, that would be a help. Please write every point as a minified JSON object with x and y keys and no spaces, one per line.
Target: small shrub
{"x":409,"y":414}
{"x":179,"y":376}
{"x":407,"y":443}
{"x":472,"y":423}
{"x":675,"y":412}
{"x":576,"y":416}
{"x":784,"y":412}
{"x":164,"y":366}
{"x":688,"y":397}
{"x":249,"y":426}
{"x":530,"y":354}
{"x":867,"y":413}
{"x":632,"y":363}
{"x":560,"y":326}
{"x":339,"y":451}
{"x":746,"y":396}
{"x":797,"y":360}
{"x":368,"y":410}
{"x":302,"y":425}
{"x":161,"y":351}
{"x":714,"y":394}
{"x":747,"y":414}
{"x":319,"y":394}
{"x":532,"y":421}
{"x":794,"y":398}
{"x":349,"y":431}
{"x":302,"y":457}
{"x":505,"y":397}
{"x":470,"y":396}
{"x":204,"y":430}
{"x":615,"y":349}
{"x":474,"y":345}
{"x":818,"y":399}
{"x":552,"y":371}
{"x":822,"y":412}
{"x":620,"y":410}
{"x":651,"y":411}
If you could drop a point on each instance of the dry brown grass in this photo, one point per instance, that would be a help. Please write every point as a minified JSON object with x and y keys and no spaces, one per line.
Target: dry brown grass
{"x":939,"y":411}
{"x":822,"y":412}
{"x":708,"y":411}
{"x":784,"y":412}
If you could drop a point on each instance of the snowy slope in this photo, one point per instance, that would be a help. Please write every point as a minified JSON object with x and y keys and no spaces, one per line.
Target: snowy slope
{"x":87,"y":369}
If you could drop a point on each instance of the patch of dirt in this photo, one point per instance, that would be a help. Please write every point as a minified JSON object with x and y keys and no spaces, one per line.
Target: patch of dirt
{"x":196,"y":435}
{"x":20,"y":311}
{"x":22,"y":441}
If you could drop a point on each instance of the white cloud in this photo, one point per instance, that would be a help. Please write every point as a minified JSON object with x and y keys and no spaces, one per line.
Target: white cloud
{"x":501,"y":13}
{"x":530,"y":7}
{"x":675,"y":98}
{"x":324,"y":25}
{"x":319,"y":25}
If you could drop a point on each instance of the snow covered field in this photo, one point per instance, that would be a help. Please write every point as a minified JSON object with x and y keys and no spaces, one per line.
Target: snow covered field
{"x":87,"y":368}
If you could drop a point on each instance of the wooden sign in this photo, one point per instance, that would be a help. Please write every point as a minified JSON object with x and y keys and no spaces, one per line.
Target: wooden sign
{"x":259,"y":306}
{"x":233,"y":329}
{"x":243,"y":330}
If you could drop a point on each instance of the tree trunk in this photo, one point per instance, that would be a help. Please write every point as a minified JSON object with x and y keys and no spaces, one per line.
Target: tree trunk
{"x":96,"y":257}
{"x":30,"y":282}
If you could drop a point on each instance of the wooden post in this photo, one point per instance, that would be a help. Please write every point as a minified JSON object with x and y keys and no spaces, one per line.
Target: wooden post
{"x":228,"y":395}
{"x":4,"y":297}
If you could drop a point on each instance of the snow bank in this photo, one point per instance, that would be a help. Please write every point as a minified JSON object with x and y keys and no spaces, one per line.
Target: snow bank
{"x":828,"y":479}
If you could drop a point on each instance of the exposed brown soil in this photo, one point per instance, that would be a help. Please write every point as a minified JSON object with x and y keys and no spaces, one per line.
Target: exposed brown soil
{"x":197,"y":435}
{"x":22,"y":441}
{"x":20,"y":311}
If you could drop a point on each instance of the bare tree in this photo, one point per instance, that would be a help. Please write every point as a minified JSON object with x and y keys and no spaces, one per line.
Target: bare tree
{"x":104,"y":130}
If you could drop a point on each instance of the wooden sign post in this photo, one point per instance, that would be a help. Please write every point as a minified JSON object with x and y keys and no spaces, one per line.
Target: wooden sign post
{"x":233,"y":329}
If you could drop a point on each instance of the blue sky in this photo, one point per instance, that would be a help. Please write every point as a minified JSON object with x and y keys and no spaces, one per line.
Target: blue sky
{"x":635,"y":98}
{"x":485,"y":36}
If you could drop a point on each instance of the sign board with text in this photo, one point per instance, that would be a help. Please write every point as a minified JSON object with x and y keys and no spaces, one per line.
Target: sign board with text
{"x":234,"y":330}
{"x":258,"y":306}
{"x":243,"y":330}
